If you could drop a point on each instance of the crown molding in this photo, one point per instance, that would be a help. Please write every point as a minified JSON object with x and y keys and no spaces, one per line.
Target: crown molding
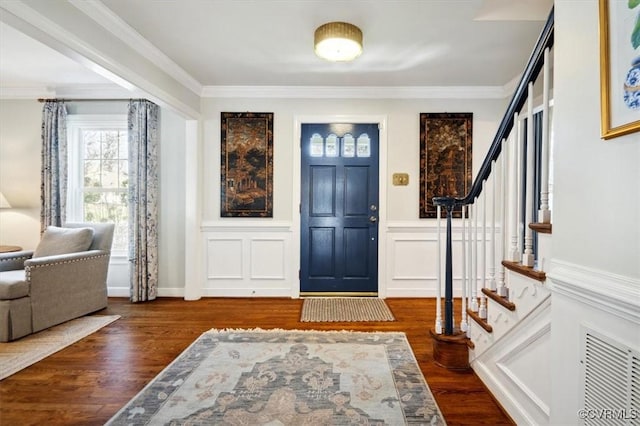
{"x":106,"y":18}
{"x":358,"y":92}
{"x":287,"y":92}
{"x":87,"y":91}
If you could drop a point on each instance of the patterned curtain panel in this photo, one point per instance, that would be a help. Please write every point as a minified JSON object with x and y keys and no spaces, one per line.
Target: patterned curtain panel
{"x":53,"y":185}
{"x":143,"y":199}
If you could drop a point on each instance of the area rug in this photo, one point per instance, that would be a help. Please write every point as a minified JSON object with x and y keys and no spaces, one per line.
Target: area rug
{"x":278,"y":377}
{"x":19,"y":354}
{"x":347,"y":309}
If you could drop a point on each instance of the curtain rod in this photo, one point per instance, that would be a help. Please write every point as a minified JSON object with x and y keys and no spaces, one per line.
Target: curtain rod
{"x":86,"y":100}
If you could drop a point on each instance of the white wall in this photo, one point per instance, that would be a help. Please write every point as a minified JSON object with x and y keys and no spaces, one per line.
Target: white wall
{"x":596,"y":181}
{"x":403,"y":140}
{"x":244,"y":272}
{"x":595,"y":273}
{"x":172,"y":205}
{"x":20,"y":142}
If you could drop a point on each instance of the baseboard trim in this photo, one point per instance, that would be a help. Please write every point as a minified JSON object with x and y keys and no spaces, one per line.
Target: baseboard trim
{"x":162,"y":292}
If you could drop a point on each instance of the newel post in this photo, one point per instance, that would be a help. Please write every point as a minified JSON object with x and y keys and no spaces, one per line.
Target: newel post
{"x":450,"y":349}
{"x":448,"y":204}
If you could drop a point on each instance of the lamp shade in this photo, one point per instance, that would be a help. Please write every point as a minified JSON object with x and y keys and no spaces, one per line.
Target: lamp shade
{"x":338,"y":41}
{"x":4,"y":204}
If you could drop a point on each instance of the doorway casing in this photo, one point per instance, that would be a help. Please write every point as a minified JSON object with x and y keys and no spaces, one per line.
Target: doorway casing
{"x":296,"y":188}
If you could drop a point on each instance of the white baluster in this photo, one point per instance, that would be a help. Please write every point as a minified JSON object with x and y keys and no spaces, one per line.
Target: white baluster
{"x":438,"y":326}
{"x":516,"y":182}
{"x":463,"y":320}
{"x":484,"y":235}
{"x":527,"y":256}
{"x":474,"y":269}
{"x":470,"y":293}
{"x":504,"y":161}
{"x":482,"y":311}
{"x":492,"y":252}
{"x":544,"y":214}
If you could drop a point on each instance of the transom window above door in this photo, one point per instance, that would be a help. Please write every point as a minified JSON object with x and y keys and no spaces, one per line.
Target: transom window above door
{"x":346,"y":146}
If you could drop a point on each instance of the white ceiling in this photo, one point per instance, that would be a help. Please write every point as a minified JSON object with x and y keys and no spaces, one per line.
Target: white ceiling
{"x":25,"y":62}
{"x":270,"y":42}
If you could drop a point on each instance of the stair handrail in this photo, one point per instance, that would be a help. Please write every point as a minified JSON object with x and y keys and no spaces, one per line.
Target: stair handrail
{"x":534,"y":66}
{"x":531,"y":72}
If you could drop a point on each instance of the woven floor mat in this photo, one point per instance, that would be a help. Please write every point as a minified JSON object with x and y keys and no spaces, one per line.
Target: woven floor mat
{"x":345,"y":309}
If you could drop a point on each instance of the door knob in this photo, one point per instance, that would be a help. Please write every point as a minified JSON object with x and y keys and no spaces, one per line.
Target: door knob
{"x":373,"y":219}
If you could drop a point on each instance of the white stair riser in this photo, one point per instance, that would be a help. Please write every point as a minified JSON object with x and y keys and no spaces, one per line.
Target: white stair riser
{"x":525,"y":293}
{"x":545,"y":251}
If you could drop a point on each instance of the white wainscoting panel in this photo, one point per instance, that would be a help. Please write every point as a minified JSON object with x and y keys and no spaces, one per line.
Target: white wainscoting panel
{"x":412,"y":250}
{"x":247,"y":258}
{"x":585,"y":300}
{"x":118,"y":277}
{"x":263,"y":253}
{"x":224,"y":258}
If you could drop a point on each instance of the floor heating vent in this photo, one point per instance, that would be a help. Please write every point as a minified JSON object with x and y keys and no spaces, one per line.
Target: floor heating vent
{"x":611,"y":379}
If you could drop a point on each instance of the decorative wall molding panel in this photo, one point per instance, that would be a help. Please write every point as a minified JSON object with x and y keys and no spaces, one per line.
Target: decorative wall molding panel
{"x":596,"y":303}
{"x":249,"y":260}
{"x":411,"y":258}
{"x":505,"y":368}
{"x":245,"y":258}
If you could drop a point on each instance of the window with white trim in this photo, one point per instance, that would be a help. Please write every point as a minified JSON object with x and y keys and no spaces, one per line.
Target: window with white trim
{"x":98,"y":173}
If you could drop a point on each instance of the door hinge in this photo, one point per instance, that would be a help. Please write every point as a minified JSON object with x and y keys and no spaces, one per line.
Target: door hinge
{"x":299,"y":274}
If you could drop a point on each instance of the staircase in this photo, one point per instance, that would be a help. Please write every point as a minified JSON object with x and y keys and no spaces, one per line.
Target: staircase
{"x":505,"y":244}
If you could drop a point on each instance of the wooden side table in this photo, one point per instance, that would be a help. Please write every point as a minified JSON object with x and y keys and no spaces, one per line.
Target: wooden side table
{"x":8,"y":249}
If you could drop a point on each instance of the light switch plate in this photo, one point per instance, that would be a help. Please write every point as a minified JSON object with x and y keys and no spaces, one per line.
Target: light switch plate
{"x":401,"y":179}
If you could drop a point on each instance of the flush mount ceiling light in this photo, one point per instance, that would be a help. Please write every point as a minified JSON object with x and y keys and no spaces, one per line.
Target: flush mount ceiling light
{"x":338,"y":41}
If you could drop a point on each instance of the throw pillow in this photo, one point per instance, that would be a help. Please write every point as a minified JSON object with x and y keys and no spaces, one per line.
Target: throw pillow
{"x":57,"y":240}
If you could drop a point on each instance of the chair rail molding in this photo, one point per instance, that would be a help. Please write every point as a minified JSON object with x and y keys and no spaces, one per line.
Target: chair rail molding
{"x":606,"y":291}
{"x":243,"y":225}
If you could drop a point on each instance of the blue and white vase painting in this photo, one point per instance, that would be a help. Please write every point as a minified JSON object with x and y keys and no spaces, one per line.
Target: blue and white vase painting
{"x":631,"y":91}
{"x":632,"y":86}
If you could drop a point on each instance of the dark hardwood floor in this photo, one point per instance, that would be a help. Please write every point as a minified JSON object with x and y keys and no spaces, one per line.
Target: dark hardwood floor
{"x":86,"y":383}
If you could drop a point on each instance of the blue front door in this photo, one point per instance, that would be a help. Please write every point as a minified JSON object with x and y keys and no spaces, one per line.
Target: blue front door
{"x":339,"y":208}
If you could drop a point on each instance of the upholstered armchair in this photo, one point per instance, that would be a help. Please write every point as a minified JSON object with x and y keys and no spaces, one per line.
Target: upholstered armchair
{"x":65,"y":277}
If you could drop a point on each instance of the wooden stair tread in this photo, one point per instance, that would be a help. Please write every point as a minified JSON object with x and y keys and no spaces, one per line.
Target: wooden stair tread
{"x":525,"y":270}
{"x":482,"y":322}
{"x":503,"y":301}
{"x":543,"y":228}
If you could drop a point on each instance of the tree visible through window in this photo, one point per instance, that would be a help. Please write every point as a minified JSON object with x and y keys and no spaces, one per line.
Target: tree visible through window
{"x":99,"y":174}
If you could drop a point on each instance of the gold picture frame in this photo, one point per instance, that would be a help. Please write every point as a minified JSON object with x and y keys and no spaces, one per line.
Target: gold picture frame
{"x":619,"y":68}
